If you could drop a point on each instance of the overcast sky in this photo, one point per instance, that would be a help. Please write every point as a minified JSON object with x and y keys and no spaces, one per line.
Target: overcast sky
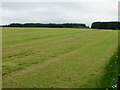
{"x":59,"y":12}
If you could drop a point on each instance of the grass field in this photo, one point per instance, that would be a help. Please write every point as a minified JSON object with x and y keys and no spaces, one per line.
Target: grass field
{"x":59,"y":58}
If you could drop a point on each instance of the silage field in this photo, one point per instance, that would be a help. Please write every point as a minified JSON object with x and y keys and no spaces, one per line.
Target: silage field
{"x":57,"y":57}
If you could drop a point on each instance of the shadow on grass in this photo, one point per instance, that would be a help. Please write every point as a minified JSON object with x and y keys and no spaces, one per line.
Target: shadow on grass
{"x":110,"y":77}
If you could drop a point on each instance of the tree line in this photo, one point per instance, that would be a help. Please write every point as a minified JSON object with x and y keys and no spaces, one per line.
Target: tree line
{"x":106,"y":25}
{"x":50,"y":25}
{"x":95,"y":25}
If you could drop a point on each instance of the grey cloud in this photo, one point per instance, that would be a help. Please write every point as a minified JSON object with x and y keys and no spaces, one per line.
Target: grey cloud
{"x":58,"y":12}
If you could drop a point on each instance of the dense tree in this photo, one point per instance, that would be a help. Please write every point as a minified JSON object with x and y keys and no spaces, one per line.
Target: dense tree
{"x":50,"y":25}
{"x":106,"y":25}
{"x":15,"y":25}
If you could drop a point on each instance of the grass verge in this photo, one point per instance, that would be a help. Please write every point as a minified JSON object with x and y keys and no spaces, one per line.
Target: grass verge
{"x":110,"y":77}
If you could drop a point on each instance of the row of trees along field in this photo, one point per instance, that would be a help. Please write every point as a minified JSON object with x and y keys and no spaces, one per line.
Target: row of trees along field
{"x":95,"y":25}
{"x":106,"y":25}
{"x":50,"y":25}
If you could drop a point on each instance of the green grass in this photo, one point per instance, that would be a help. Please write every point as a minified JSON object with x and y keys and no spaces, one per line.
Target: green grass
{"x":58,"y":58}
{"x":110,"y":76}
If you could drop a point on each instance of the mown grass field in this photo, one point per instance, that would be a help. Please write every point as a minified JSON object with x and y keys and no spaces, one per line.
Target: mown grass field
{"x":58,"y":57}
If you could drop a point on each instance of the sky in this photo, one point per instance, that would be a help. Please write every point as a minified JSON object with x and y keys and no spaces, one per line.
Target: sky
{"x":62,"y":11}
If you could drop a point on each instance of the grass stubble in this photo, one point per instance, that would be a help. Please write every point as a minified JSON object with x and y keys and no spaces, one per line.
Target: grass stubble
{"x":59,"y":58}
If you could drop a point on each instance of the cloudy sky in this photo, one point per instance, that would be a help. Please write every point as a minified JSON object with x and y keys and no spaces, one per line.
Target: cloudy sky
{"x":84,"y":11}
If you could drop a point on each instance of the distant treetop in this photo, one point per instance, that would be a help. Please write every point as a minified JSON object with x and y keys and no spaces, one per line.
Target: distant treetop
{"x":50,"y":25}
{"x":106,"y":25}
